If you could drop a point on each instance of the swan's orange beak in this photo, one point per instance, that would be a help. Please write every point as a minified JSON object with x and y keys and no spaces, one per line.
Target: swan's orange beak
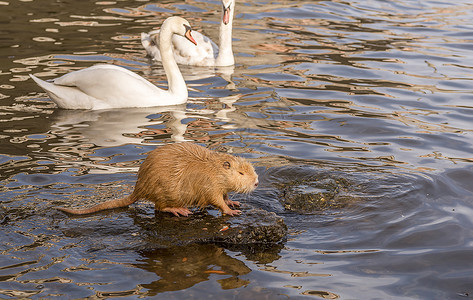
{"x":189,"y":36}
{"x":226,"y":15}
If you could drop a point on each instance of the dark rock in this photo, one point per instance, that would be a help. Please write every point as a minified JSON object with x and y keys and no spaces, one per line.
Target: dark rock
{"x":311,"y":192}
{"x":253,"y":227}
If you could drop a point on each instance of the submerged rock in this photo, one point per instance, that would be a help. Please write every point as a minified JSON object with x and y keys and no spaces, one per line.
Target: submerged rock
{"x":313,"y":192}
{"x":254,"y":227}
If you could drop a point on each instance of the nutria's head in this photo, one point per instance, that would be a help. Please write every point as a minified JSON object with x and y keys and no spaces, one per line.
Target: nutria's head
{"x":241,"y":175}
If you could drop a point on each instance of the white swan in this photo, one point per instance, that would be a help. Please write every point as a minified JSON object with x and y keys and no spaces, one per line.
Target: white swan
{"x":109,"y":86}
{"x":206,"y":53}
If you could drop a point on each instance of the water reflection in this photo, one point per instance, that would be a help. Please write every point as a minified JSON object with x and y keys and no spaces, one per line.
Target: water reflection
{"x":179,"y":268}
{"x":106,"y":128}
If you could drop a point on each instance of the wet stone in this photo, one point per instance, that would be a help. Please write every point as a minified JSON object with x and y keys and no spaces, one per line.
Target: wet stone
{"x":313,"y":194}
{"x":254,"y":227}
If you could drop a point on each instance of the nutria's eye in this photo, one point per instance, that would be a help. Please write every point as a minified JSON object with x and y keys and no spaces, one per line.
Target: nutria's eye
{"x":226,"y":165}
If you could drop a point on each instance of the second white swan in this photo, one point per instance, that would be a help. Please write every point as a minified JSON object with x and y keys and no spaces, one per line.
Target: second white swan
{"x":109,"y":86}
{"x":207,"y":53}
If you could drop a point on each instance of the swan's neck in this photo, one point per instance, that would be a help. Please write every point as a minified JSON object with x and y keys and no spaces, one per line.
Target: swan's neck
{"x":225,"y":52}
{"x":177,"y":85}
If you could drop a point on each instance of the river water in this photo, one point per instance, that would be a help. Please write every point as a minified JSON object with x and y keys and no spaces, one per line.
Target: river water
{"x":372,"y":96}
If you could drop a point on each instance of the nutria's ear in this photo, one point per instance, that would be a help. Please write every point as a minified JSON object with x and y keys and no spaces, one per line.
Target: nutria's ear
{"x":226,"y":165}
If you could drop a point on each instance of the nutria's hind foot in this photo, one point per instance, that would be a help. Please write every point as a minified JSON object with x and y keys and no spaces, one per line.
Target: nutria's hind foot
{"x":178,"y":211}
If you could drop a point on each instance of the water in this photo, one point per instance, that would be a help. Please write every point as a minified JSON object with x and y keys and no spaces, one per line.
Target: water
{"x":376,"y":95}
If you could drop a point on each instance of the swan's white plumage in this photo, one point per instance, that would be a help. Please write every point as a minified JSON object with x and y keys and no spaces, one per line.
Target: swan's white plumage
{"x":184,"y":53}
{"x":104,"y":86}
{"x":109,"y":86}
{"x":206,"y":53}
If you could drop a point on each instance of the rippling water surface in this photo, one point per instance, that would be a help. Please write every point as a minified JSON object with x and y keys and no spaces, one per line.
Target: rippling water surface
{"x":374,"y":94}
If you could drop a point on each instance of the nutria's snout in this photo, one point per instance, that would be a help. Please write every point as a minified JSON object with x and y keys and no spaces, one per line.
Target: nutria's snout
{"x":255,"y":184}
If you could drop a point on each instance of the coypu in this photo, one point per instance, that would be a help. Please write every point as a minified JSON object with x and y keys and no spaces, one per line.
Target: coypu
{"x":177,"y":176}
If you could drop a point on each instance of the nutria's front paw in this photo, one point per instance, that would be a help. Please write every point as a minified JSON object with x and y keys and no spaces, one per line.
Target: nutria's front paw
{"x":232,"y":203}
{"x":232,"y":212}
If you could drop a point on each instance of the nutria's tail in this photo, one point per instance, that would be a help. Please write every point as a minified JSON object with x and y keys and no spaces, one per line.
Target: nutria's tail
{"x":116,"y":203}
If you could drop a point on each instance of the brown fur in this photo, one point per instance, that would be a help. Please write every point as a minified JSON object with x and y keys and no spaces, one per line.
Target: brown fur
{"x":177,"y":176}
